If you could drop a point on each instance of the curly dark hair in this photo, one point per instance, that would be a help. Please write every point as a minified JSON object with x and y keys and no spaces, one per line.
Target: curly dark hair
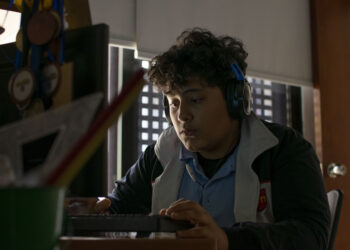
{"x":198,"y":53}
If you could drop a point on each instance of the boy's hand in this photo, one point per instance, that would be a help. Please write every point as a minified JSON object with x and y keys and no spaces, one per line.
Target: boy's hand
{"x":205,"y":226}
{"x":86,"y":206}
{"x":102,"y":206}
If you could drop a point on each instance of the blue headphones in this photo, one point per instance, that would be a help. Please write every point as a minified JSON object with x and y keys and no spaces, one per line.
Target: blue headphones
{"x":238,"y":95}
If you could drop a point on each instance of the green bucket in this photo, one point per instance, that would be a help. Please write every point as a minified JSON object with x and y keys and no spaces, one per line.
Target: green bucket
{"x":31,"y":218}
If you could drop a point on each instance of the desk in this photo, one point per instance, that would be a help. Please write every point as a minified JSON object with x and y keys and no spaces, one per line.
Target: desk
{"x":91,"y":243}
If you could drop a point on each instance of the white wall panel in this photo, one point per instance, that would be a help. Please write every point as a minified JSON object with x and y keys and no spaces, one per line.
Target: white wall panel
{"x":276,"y":33}
{"x":119,"y":15}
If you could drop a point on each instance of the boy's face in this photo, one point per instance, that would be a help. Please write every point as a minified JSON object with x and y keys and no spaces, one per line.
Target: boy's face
{"x":200,"y":118}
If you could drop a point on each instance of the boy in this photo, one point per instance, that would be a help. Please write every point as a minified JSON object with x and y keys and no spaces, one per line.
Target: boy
{"x":244,"y":182}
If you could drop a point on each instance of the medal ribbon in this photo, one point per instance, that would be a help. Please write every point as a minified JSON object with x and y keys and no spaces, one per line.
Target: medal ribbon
{"x":36,"y":56}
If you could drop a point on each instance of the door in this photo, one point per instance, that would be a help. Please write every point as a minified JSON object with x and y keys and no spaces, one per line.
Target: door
{"x":331,"y":55}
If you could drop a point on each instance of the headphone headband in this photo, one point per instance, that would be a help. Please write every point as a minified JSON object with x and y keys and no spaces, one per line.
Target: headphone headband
{"x":237,"y":71}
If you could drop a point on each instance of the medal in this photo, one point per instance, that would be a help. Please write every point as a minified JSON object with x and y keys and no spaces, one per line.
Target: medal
{"x":42,"y":27}
{"x":19,"y":40}
{"x":21,"y":86}
{"x":58,"y":21}
{"x":50,"y":78}
{"x":43,"y":4}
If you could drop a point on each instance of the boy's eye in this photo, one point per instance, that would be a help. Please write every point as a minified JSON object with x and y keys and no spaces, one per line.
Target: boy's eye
{"x":196,"y":100}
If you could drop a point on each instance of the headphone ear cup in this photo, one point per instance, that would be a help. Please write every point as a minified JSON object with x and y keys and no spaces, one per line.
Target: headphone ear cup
{"x":247,"y":99}
{"x":166,"y":109}
{"x":238,"y":97}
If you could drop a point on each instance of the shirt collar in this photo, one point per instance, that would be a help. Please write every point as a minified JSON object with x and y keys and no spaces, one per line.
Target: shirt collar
{"x":190,"y":158}
{"x":185,"y":154}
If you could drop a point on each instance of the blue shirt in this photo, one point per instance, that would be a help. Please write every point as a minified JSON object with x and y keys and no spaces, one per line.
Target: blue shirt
{"x":216,"y":195}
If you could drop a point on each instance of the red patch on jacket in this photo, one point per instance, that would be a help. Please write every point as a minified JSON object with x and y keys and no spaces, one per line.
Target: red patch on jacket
{"x":262,"y":200}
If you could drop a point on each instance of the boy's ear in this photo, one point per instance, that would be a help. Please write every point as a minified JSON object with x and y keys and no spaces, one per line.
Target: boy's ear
{"x":166,"y":110}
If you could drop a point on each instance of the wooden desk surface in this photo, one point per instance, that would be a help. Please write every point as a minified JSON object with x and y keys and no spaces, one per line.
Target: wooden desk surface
{"x":91,"y":243}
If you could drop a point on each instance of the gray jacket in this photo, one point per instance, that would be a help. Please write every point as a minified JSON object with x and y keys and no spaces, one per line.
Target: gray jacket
{"x":280,"y":197}
{"x":255,"y":139}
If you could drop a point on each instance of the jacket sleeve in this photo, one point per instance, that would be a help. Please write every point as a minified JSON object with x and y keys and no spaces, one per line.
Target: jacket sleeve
{"x":133,"y":193}
{"x":299,"y":201}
